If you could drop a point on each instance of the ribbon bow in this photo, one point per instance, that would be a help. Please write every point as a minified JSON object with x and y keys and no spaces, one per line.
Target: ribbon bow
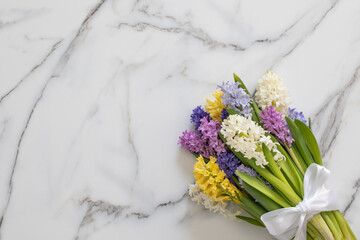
{"x":286,"y":223}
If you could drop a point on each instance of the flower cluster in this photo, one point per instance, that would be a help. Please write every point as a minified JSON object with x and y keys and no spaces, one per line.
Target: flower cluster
{"x":192,"y":141}
{"x":209,"y":130}
{"x":247,"y":137}
{"x":200,"y":197}
{"x":224,"y":114}
{"x":240,"y":147}
{"x":214,"y":107}
{"x":205,"y":139}
{"x":271,"y":91}
{"x":274,"y":122}
{"x":212,"y":181}
{"x":197,"y":115}
{"x":293,"y":114}
{"x":228,"y":162}
{"x":236,"y":98}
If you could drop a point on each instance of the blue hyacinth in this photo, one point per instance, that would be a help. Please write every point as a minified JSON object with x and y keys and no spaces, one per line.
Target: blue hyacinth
{"x":197,"y":115}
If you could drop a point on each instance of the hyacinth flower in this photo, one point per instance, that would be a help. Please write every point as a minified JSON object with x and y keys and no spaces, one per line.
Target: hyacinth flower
{"x":283,"y":195}
{"x":274,"y":122}
{"x":304,"y":148}
{"x":197,"y":115}
{"x":198,"y":196}
{"x":255,"y":111}
{"x":271,"y":91}
{"x":293,"y":114}
{"x":247,"y":137}
{"x":271,"y":154}
{"x":228,"y":163}
{"x":215,"y":106}
{"x":212,"y":182}
{"x":236,"y":98}
{"x":224,"y":114}
{"x":204,"y":140}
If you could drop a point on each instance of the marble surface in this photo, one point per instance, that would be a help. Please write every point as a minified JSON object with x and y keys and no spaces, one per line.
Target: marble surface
{"x":94,"y":94}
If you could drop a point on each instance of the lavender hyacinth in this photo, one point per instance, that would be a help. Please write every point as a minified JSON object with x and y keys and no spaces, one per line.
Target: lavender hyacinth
{"x":251,"y":172}
{"x":205,"y":141}
{"x":228,"y":162}
{"x":293,"y":114}
{"x":210,"y":134}
{"x":198,"y":113}
{"x":193,"y":142}
{"x":274,"y":122}
{"x":236,"y":98}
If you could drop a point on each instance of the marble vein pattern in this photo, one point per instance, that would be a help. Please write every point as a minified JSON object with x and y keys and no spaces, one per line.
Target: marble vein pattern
{"x":94,"y":94}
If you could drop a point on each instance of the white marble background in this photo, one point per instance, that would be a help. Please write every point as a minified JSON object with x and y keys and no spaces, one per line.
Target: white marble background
{"x":94,"y":94}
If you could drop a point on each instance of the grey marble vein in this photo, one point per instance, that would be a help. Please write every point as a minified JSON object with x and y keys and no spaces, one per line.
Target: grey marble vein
{"x":79,"y":37}
{"x":52,"y":50}
{"x":60,"y":65}
{"x":186,"y":29}
{"x":116,"y":211}
{"x":334,"y":119}
{"x":353,"y":197}
{"x":302,"y":38}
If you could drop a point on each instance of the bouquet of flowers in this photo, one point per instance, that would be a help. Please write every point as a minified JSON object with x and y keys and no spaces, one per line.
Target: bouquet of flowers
{"x":261,"y":156}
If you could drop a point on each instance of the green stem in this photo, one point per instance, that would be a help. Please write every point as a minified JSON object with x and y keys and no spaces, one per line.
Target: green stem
{"x":332,"y":225}
{"x":251,"y":208}
{"x":321,"y":226}
{"x":343,"y":225}
{"x":350,"y":231}
{"x":314,"y":233}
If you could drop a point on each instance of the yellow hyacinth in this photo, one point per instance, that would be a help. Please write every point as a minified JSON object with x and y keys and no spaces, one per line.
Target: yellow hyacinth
{"x":214,"y":107}
{"x":212,"y":180}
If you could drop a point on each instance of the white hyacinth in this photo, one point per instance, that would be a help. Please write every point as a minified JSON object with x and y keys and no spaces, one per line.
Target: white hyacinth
{"x":200,"y":197}
{"x":271,"y":91}
{"x":247,"y":137}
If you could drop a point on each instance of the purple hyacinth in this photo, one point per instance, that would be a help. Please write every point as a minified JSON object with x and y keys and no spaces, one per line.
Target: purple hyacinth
{"x":205,"y":141}
{"x":228,"y":162}
{"x":293,"y":114}
{"x":236,"y":98}
{"x":209,"y":130}
{"x":198,"y":113}
{"x":193,"y":142}
{"x":274,"y":122}
{"x":224,"y":114}
{"x":251,"y":172}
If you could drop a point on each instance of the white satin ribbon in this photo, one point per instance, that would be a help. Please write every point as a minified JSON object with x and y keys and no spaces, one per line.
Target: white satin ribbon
{"x":286,"y":223}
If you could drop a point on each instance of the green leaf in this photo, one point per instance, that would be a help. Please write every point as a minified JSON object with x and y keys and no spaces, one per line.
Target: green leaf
{"x":300,"y":142}
{"x":256,"y":110}
{"x":250,"y":220}
{"x":261,"y":187}
{"x":232,"y":111}
{"x":292,"y":173}
{"x":272,"y":164}
{"x":241,"y":84}
{"x":263,"y":200}
{"x":310,"y":141}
